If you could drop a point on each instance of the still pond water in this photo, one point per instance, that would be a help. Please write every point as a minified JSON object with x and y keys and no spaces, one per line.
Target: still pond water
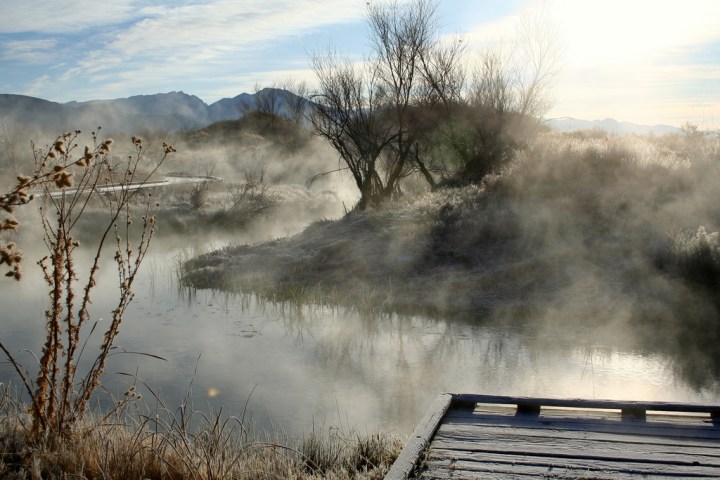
{"x":299,"y":367}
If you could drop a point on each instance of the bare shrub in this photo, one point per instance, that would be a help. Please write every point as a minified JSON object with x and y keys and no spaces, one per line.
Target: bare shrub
{"x":200,"y":192}
{"x":695,"y":253}
{"x":199,"y":195}
{"x":69,"y":178}
{"x":250,"y":198}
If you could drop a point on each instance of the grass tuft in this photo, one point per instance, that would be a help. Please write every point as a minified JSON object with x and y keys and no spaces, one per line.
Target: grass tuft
{"x":183,"y":444}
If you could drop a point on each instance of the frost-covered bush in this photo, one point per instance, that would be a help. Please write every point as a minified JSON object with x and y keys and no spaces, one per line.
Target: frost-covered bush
{"x":696,"y":255}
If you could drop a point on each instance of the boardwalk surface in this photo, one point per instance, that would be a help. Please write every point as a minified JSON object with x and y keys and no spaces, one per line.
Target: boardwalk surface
{"x":490,"y":437}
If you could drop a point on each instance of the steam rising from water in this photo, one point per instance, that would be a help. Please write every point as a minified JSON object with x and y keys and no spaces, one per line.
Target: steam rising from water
{"x":575,"y":236}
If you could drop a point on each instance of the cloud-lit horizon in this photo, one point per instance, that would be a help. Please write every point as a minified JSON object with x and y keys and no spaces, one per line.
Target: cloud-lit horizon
{"x":634,"y":60}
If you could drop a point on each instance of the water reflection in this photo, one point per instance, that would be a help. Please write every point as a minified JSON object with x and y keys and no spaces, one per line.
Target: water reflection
{"x":298,"y":366}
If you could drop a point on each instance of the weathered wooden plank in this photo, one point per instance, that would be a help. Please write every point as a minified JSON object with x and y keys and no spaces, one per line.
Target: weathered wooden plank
{"x":577,"y":426}
{"x":554,"y":412}
{"x":444,"y":474}
{"x":419,"y":440}
{"x":475,"y":462}
{"x":500,"y":471}
{"x":509,"y":410}
{"x":564,"y":448}
{"x":711,"y":409}
{"x":568,"y":457}
{"x":601,"y":440}
{"x":488,"y":470}
{"x":672,"y":429}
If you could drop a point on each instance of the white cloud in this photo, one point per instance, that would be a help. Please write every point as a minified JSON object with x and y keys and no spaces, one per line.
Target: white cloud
{"x":63,"y":16}
{"x":38,"y":85}
{"x":223,"y":25}
{"x":28,"y":51}
{"x":188,"y":42}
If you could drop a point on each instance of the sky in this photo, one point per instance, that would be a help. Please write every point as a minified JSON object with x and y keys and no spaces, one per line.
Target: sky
{"x":644,"y":61}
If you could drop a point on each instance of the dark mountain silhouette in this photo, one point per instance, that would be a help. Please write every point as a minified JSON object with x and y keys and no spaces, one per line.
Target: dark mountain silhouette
{"x":176,"y":111}
{"x":172,"y":111}
{"x":229,"y":108}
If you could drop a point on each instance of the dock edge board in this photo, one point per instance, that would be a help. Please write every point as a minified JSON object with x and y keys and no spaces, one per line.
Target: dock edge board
{"x":410,"y":459}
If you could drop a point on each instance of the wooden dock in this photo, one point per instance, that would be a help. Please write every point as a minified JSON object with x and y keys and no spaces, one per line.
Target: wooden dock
{"x":493,"y":437}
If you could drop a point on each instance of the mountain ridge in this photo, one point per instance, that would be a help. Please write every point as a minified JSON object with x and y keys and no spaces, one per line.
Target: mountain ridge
{"x":170,"y":111}
{"x":177,"y":110}
{"x":609,"y":125}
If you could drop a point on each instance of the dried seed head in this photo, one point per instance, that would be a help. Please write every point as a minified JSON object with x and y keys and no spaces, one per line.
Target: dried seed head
{"x":63,"y":179}
{"x":23,"y":180}
{"x":88,"y":156}
{"x":10,"y":224}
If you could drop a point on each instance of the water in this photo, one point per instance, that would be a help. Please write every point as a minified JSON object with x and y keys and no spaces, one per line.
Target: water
{"x":294,"y":368}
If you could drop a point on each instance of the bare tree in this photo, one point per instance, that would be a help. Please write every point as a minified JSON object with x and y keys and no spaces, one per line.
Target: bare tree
{"x":538,"y":53}
{"x":295,"y":100}
{"x":402,"y":35}
{"x":518,"y":79}
{"x":376,"y":110}
{"x":509,"y":91}
{"x":492,"y":86}
{"x":266,"y":102}
{"x":444,"y":74}
{"x":385,"y":118}
{"x":346,"y":114}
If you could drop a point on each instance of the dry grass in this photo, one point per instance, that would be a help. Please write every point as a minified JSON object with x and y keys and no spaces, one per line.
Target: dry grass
{"x":184,"y":445}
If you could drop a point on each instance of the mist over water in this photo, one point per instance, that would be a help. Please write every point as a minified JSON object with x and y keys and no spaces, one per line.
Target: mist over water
{"x":582,"y":221}
{"x":302,"y":367}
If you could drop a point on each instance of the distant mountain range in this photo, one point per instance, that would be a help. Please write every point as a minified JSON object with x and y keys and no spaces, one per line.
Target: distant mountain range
{"x":168,"y":111}
{"x":609,"y":125}
{"x":176,"y":111}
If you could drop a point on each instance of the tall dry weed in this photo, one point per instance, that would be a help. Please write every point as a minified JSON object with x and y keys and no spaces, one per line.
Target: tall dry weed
{"x":67,"y":177}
